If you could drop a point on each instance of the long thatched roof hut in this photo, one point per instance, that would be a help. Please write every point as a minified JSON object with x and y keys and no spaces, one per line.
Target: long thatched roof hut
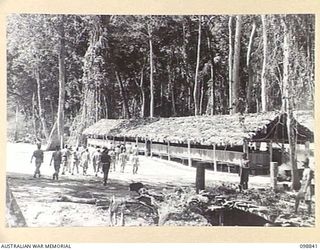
{"x":207,"y":130}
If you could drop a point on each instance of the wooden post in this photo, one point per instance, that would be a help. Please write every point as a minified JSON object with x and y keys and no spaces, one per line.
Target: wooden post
{"x":214,"y":158}
{"x":113,"y":140}
{"x":150,"y":148}
{"x":169,"y":157}
{"x":200,"y":178}
{"x":189,"y":154}
{"x":307,"y":149}
{"x":245,"y":147}
{"x":145,"y":147}
{"x":273,"y":174}
{"x":137,"y":141}
{"x":61,"y":142}
{"x":270,"y":150}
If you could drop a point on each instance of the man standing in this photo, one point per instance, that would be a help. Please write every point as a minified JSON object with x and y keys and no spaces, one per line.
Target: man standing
{"x":56,"y":158}
{"x":65,"y":159}
{"x":105,"y":162}
{"x":244,"y":172}
{"x":38,"y":155}
{"x":75,"y":161}
{"x":96,"y":161}
{"x":135,"y":164}
{"x":123,"y":160}
{"x":305,"y":190}
{"x":85,"y":159}
{"x":113,"y":160}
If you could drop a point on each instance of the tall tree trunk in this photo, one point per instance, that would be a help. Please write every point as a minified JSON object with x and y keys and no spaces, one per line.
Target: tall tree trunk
{"x":34,"y":117}
{"x":107,"y":110}
{"x":249,"y":87}
{"x":41,"y":111}
{"x":196,"y":94}
{"x":97,"y":48}
{"x":151,"y":73}
{"x":60,"y":125}
{"x":171,"y":90}
{"x":211,"y":106}
{"x":173,"y":101}
{"x":124,"y":97}
{"x":201,"y":98}
{"x":230,"y":61}
{"x":16,"y":124}
{"x":52,"y":111}
{"x":185,"y":63}
{"x":236,"y":64}
{"x":264,"y":64}
{"x":287,"y":105}
{"x":143,"y":94}
{"x":98,"y":102}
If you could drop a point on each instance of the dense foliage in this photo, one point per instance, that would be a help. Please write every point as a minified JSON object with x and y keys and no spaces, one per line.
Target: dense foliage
{"x":141,"y":66}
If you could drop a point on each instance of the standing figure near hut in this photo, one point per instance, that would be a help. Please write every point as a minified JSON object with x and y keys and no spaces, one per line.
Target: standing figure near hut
{"x":135,"y":150}
{"x":135,"y":164}
{"x":56,"y":158}
{"x":38,"y":155}
{"x":105,"y":163}
{"x":76,"y":160}
{"x":113,"y":160}
{"x":96,"y":161}
{"x":244,"y":172}
{"x":117,"y":151}
{"x":65,"y":159}
{"x":123,"y":160}
{"x":305,"y":192}
{"x":85,"y":159}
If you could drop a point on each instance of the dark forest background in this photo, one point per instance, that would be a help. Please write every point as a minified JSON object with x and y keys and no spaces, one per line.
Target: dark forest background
{"x":65,"y":72}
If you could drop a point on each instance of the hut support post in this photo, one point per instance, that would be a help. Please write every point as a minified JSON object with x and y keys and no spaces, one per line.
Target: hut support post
{"x":200,"y":178}
{"x":273,"y":174}
{"x":61,"y":142}
{"x":150,"y":148}
{"x":270,"y":150}
{"x":189,"y":154}
{"x":214,"y":158}
{"x":137,"y":141}
{"x":145,"y":147}
{"x":246,"y":147}
{"x":169,"y":157}
{"x":307,"y":148}
{"x":113,"y":141}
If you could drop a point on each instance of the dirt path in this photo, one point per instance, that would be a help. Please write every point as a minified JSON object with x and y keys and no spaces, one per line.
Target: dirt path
{"x":38,"y":198}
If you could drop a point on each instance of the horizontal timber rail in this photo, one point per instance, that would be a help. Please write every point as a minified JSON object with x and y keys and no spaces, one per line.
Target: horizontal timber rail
{"x":225,"y":159}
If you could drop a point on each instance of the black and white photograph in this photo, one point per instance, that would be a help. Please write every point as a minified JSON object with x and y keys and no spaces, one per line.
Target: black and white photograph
{"x":160,"y":120}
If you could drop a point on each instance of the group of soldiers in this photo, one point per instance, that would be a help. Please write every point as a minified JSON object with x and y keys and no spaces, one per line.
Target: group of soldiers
{"x":103,"y":160}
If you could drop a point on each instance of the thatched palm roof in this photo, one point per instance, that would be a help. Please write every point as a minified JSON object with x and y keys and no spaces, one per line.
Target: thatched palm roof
{"x":205,"y":130}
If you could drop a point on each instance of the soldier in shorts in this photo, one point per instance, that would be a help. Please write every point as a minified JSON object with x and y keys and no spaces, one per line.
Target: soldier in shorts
{"x":56,"y":158}
{"x":123,"y":160}
{"x":135,"y":164}
{"x":305,"y":192}
{"x":38,"y":155}
{"x":96,"y":161}
{"x":65,"y":159}
{"x":75,"y":161}
{"x":113,"y":160}
{"x":105,"y":163}
{"x":85,"y":159}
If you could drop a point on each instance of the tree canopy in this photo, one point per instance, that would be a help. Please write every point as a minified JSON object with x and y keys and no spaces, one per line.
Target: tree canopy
{"x":141,"y":66}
